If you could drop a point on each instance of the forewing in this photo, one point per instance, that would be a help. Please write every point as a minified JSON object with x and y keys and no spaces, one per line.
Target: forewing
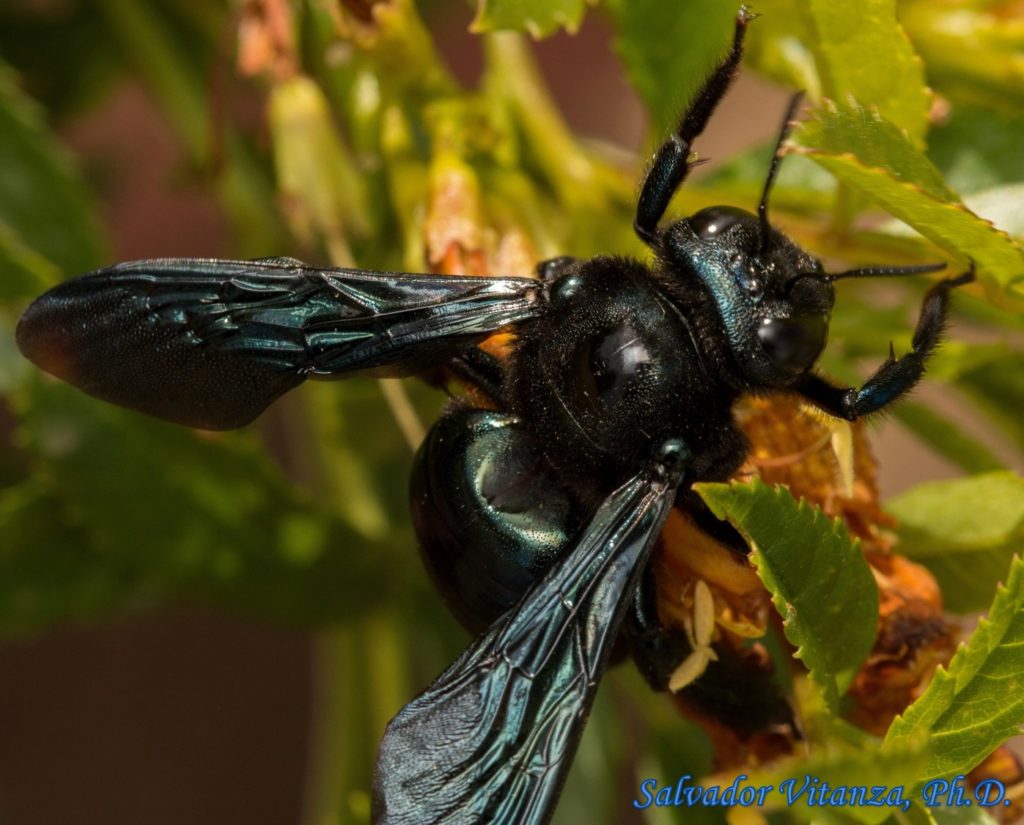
{"x":210,"y":343}
{"x":492,"y":739}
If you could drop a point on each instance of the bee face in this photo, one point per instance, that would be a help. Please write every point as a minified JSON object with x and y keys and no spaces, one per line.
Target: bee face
{"x":773,"y":298}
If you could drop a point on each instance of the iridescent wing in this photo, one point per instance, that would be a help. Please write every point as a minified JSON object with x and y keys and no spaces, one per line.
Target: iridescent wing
{"x":492,"y":739}
{"x":210,"y":343}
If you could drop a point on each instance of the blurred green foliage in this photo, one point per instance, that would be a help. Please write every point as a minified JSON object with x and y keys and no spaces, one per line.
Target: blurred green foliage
{"x":301,"y":519}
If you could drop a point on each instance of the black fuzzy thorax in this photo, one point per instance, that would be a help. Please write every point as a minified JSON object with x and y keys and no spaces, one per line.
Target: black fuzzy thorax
{"x":607,"y":375}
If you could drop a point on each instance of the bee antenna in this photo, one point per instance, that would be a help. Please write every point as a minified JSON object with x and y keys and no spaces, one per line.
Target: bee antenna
{"x":773,"y":170}
{"x":885,"y":271}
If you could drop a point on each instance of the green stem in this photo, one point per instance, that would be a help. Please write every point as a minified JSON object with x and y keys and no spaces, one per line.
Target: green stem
{"x":329,"y":758}
{"x":512,"y":76}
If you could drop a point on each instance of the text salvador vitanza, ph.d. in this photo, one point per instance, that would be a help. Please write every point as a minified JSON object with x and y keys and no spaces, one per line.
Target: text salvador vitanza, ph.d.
{"x":816,"y":792}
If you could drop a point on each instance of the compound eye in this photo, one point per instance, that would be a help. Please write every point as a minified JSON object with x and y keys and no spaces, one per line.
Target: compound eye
{"x":794,"y":344}
{"x":713,"y":221}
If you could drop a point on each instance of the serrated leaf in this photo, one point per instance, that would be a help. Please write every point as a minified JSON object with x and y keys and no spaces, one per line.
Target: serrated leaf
{"x":818,"y":578}
{"x":972,"y":50}
{"x":669,"y":48}
{"x":538,"y":17}
{"x":876,"y":142}
{"x":877,"y":160}
{"x":46,"y":213}
{"x":965,"y":531}
{"x":863,"y":52}
{"x":977,"y":703}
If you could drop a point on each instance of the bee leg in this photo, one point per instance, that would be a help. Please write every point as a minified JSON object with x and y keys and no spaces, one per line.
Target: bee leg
{"x":738,"y":689}
{"x":671,"y":162}
{"x":897,"y":376}
{"x":657,"y":650}
{"x":720,"y":530}
{"x":481,"y":370}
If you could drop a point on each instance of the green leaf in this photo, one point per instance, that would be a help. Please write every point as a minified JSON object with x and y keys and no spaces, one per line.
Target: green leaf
{"x":998,"y":388}
{"x":965,"y":531}
{"x":876,"y":142}
{"x":538,"y":17}
{"x":46,"y":213}
{"x":129,"y":512}
{"x":947,"y":438}
{"x":991,"y":376}
{"x":919,"y":814}
{"x":876,"y":159}
{"x":669,"y":48}
{"x":863,"y":52}
{"x":780,"y":45}
{"x":961,"y":815}
{"x":973,"y":514}
{"x":972,"y":50}
{"x":847,"y":768}
{"x":978,"y":149}
{"x":818,"y":578}
{"x":978,"y":703}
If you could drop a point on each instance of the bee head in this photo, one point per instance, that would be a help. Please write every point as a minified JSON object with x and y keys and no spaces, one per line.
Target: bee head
{"x":773,"y":298}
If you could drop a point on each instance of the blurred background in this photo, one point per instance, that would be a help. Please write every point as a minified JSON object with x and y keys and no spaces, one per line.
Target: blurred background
{"x":170,"y":658}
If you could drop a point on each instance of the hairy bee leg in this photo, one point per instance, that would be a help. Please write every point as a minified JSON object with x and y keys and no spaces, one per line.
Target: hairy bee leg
{"x":481,"y":370}
{"x":738,"y":689}
{"x":671,"y":165}
{"x":721,"y":531}
{"x":897,"y":376}
{"x":657,"y":651}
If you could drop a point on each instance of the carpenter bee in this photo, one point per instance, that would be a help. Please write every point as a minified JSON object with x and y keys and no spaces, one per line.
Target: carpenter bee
{"x":538,"y":514}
